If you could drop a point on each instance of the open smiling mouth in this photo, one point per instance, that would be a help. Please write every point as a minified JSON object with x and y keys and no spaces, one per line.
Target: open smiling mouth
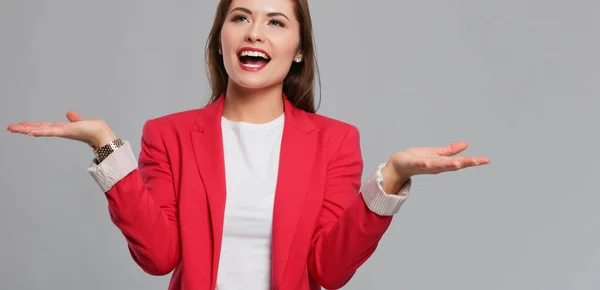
{"x":253,"y":59}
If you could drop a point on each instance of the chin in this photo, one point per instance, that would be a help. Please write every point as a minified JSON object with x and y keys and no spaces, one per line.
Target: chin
{"x":251,"y":82}
{"x":254,"y":80}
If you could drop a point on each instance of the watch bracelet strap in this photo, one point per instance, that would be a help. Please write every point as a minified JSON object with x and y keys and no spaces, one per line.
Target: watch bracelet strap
{"x":106,"y":150}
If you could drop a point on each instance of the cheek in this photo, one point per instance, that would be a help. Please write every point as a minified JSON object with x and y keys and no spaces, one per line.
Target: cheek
{"x":287,"y":42}
{"x":229,"y":40}
{"x":285,"y":47}
{"x":226,"y":38}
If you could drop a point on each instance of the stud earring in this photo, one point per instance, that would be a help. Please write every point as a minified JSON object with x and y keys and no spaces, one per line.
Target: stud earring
{"x":220,"y":51}
{"x":298,"y":60}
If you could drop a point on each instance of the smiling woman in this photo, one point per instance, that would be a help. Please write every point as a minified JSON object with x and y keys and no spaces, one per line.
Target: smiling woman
{"x":282,"y":30}
{"x":254,"y":190}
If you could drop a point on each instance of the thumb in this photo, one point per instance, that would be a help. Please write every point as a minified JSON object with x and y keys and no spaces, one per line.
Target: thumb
{"x":452,"y":149}
{"x":73,"y":116}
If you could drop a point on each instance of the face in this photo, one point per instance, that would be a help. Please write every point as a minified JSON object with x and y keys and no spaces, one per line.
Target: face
{"x":259,"y":41}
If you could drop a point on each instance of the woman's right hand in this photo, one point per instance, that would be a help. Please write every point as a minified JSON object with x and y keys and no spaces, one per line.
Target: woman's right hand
{"x":94,"y":132}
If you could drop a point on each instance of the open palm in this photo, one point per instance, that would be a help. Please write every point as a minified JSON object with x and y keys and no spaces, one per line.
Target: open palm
{"x":432,"y":160}
{"x":90,"y":131}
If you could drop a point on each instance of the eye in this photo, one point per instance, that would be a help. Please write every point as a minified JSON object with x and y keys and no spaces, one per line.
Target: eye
{"x":276,"y":22}
{"x":239,"y":18}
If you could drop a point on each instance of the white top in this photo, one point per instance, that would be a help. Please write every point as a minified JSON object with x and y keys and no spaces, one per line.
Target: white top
{"x":251,"y":154}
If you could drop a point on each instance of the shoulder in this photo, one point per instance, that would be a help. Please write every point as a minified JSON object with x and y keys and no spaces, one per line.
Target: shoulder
{"x":340,"y":142}
{"x":175,"y":122}
{"x":171,"y":125}
{"x":335,"y":131}
{"x":184,"y":118}
{"x":187,"y":119}
{"x":330,"y":125}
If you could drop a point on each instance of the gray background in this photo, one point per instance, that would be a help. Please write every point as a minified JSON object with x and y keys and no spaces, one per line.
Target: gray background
{"x":518,"y":80}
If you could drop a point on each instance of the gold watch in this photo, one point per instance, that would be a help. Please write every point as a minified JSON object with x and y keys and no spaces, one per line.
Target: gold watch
{"x":104,"y":151}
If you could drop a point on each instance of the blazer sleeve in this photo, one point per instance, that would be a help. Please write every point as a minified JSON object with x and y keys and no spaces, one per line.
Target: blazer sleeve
{"x":142,"y":202}
{"x":352,"y":220}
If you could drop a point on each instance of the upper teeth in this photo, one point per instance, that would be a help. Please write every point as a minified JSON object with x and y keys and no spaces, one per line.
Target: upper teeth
{"x":254,"y":53}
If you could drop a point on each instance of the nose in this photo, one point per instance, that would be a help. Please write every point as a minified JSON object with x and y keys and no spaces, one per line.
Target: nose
{"x":255,"y":33}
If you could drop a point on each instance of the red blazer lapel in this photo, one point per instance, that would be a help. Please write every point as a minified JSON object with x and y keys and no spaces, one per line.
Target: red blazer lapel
{"x":208,"y":148}
{"x":298,"y":148}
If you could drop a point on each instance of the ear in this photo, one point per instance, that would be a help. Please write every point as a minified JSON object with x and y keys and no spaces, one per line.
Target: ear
{"x":299,"y":57}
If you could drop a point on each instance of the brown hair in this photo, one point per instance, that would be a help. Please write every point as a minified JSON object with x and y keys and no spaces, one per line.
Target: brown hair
{"x":298,"y":85}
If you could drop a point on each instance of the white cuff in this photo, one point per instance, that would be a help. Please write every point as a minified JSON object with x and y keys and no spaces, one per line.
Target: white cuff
{"x":377,"y":200}
{"x":115,"y":167}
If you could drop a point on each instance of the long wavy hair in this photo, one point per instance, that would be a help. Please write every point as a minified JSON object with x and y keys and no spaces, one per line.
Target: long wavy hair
{"x":298,"y":85}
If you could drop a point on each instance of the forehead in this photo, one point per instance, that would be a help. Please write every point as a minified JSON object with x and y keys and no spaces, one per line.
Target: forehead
{"x":265,"y":6}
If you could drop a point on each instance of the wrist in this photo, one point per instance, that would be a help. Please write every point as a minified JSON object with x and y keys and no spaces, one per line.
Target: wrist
{"x":102,"y":139}
{"x":392,"y":180}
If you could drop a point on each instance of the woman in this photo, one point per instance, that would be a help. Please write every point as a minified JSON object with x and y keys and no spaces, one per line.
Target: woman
{"x":255,"y":190}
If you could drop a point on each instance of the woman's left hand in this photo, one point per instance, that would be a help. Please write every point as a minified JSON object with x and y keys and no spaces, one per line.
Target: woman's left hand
{"x":427,"y":160}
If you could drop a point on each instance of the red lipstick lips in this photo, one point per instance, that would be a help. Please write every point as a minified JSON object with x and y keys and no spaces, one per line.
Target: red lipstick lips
{"x":253,"y":59}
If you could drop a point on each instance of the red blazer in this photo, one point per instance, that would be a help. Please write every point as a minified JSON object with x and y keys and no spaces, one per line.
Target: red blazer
{"x":170,"y":209}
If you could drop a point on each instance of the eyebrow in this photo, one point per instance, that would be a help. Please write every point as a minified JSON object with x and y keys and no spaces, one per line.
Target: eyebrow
{"x":270,"y":14}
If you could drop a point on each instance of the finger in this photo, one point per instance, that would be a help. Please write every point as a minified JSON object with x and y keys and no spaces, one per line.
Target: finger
{"x":11,"y":127}
{"x":457,"y":163}
{"x":17,"y":128}
{"x":432,"y":166}
{"x":452,"y":149}
{"x":74,"y":116}
{"x":481,"y":160}
{"x":24,"y":126}
{"x":450,"y":164}
{"x":469,"y":161}
{"x":432,"y":163}
{"x":47,"y":132}
{"x":473,"y":161}
{"x":36,"y":124}
{"x":438,"y":165}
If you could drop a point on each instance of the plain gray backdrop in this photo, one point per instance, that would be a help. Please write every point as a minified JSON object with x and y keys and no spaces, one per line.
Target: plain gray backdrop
{"x":518,"y":80}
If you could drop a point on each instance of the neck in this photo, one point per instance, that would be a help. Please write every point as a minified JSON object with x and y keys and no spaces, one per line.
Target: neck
{"x":253,"y":106}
